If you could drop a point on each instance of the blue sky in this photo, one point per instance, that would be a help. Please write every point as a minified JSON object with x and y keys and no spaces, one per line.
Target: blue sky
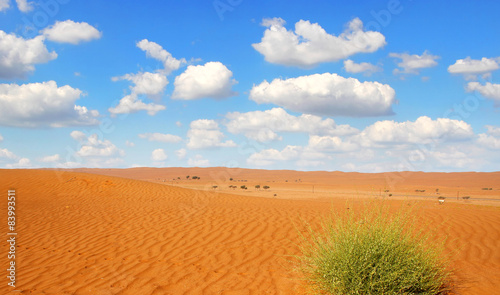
{"x":362,"y":86}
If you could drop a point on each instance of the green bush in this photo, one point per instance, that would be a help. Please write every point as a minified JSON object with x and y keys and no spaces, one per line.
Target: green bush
{"x":373,"y":252}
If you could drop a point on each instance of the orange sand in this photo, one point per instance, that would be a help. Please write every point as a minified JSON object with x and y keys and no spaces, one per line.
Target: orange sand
{"x":81,"y":233}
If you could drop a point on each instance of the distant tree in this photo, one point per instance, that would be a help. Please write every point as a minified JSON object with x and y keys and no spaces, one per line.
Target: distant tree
{"x":214,"y":187}
{"x":187,"y":177}
{"x":231,"y":179}
{"x":257,"y":186}
{"x":243,"y":187}
{"x":265,"y":187}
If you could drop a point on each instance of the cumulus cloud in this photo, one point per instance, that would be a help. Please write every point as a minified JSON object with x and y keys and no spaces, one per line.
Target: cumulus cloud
{"x":452,"y":158}
{"x":24,"y":5}
{"x":198,"y":161}
{"x":421,"y":131}
{"x":92,"y":146}
{"x":50,"y":159}
{"x":270,"y":156}
{"x":22,"y":163}
{"x":129,"y":143}
{"x":488,"y":90}
{"x":146,"y":83}
{"x":150,"y":84}
{"x":364,"y":67}
{"x":488,"y":141}
{"x":158,"y":155}
{"x":263,"y":125}
{"x":43,"y":104}
{"x":412,"y":64}
{"x":470,"y":68}
{"x":299,"y":155}
{"x":181,"y":153}
{"x":213,"y":80}
{"x":18,"y":56}
{"x":169,"y":138}
{"x":310,"y":45}
{"x":4,"y":4}
{"x":131,"y":104}
{"x":330,"y":143}
{"x":154,"y":50}
{"x":71,"y":32}
{"x":327,"y":94}
{"x":493,"y":130}
{"x":205,"y":134}
{"x":5,"y":153}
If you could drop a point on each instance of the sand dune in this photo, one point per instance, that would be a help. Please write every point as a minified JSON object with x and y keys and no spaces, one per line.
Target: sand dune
{"x":81,"y":233}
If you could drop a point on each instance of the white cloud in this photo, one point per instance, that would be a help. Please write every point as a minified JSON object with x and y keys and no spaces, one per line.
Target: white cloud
{"x":154,"y":50}
{"x":205,"y":134}
{"x":43,"y":104}
{"x":51,"y":159}
{"x":5,"y":153}
{"x":263,"y":125}
{"x":150,"y":84}
{"x":493,"y":130}
{"x":198,"y":161}
{"x":131,"y":104}
{"x":24,"y":5}
{"x":71,"y":32}
{"x":181,"y":153}
{"x":452,"y":158}
{"x":92,"y":146}
{"x":213,"y":80}
{"x":4,"y":4}
{"x":18,"y":56}
{"x":129,"y":143}
{"x":421,"y":131}
{"x":364,"y":67}
{"x":22,"y":163}
{"x":470,"y":68}
{"x":78,"y":135}
{"x":158,"y":155}
{"x":327,"y":94}
{"x":270,"y":156}
{"x":146,"y":83}
{"x":411,"y":64}
{"x":169,"y":138}
{"x":311,"y":45}
{"x":489,"y":141}
{"x":330,"y":143}
{"x":488,"y":90}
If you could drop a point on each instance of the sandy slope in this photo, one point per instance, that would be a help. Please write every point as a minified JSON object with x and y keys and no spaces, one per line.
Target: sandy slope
{"x":84,"y":233}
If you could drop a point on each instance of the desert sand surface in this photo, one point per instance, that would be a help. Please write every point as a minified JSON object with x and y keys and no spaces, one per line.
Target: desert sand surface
{"x":477,"y":188}
{"x":139,"y":231}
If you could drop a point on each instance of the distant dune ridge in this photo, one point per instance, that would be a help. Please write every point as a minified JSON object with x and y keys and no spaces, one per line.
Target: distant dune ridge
{"x":155,"y":231}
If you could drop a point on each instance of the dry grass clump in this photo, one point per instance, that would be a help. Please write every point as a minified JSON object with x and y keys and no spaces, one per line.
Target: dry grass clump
{"x":373,"y":251}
